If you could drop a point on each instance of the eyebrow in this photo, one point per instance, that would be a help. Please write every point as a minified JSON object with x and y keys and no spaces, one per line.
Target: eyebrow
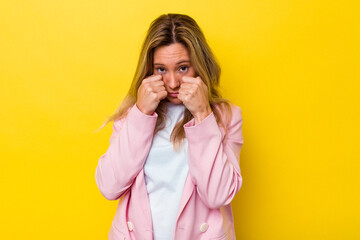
{"x":183,"y":61}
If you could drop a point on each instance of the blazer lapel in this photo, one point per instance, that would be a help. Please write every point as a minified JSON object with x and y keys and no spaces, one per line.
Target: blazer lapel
{"x":140,"y":179}
{"x":187,"y":192}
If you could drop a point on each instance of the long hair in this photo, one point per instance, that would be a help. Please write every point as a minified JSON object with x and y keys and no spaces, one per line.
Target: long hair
{"x":163,"y":31}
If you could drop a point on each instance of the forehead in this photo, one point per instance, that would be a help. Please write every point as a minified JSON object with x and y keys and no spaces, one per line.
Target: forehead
{"x":171,"y":54}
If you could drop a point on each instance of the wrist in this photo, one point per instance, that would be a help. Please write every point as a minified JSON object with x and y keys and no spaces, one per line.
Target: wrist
{"x":144,"y":111}
{"x":201,"y":115}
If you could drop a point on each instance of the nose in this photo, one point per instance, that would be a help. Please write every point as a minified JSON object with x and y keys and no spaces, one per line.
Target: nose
{"x":173,"y":81}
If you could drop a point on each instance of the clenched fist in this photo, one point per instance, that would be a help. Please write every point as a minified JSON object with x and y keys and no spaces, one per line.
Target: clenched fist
{"x":150,"y":93}
{"x":194,"y":95}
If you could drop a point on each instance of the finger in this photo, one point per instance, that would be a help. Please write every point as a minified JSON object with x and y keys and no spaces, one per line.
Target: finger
{"x":161,"y":95}
{"x":153,"y":78}
{"x":156,"y":83}
{"x":186,"y":85}
{"x":187,"y":79}
{"x":182,"y":97}
{"x":184,"y":92}
{"x":158,"y":89}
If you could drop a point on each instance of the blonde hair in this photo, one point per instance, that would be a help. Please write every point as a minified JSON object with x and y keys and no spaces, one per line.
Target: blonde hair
{"x":165,"y":30}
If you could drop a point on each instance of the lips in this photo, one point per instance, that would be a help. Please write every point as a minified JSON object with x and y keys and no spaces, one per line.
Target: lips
{"x":174,"y":94}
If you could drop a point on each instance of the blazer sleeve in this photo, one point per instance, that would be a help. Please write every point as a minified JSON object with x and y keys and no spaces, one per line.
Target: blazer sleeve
{"x":130,"y":144}
{"x":213,"y":160}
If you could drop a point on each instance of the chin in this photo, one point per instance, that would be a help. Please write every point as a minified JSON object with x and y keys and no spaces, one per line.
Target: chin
{"x":174,"y":100}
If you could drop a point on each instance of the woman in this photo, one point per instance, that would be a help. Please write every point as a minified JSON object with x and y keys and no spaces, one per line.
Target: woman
{"x":175,"y":147}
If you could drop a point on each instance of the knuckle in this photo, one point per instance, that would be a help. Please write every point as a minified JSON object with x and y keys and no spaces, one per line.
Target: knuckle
{"x":153,"y":95}
{"x":148,"y":90}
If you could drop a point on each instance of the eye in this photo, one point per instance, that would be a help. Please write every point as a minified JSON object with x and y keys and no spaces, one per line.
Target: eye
{"x":183,"y":68}
{"x":160,"y":70}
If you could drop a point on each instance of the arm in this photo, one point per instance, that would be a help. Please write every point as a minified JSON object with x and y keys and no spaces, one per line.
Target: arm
{"x":213,"y":161}
{"x":130,"y":143}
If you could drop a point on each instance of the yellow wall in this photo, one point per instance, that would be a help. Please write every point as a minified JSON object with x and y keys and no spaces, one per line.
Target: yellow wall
{"x":292,"y":66}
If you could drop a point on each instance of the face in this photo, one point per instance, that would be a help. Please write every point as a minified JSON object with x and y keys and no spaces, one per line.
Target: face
{"x":173,"y":62}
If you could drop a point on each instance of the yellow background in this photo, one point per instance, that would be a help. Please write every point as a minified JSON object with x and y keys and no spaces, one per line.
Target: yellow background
{"x":292,"y":66}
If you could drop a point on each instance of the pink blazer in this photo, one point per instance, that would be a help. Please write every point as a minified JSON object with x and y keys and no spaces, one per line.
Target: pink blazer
{"x":213,"y":180}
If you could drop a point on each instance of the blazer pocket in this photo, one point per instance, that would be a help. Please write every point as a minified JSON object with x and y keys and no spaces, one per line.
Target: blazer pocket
{"x":225,"y":236}
{"x":116,"y":234}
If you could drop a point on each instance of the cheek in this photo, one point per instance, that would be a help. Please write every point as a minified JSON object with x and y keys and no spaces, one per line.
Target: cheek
{"x":166,"y":83}
{"x":191,"y":73}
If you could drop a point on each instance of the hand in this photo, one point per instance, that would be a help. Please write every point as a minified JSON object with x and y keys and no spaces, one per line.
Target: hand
{"x":194,"y":95}
{"x":150,"y":93}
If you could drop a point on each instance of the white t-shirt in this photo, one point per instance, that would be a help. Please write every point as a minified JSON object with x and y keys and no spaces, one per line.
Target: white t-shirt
{"x":165,"y":174}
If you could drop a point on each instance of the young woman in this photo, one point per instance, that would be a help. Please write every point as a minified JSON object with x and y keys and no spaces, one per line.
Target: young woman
{"x":175,"y":147}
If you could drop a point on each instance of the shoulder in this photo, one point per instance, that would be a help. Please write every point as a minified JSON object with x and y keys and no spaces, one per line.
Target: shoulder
{"x":236,"y":113}
{"x":120,"y":120}
{"x":135,"y":117}
{"x":229,"y":112}
{"x":236,"y":110}
{"x":231,"y":116}
{"x":228,"y":106}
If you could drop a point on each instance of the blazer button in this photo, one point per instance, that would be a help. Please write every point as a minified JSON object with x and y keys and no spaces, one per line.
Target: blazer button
{"x":204,"y":227}
{"x":130,"y":226}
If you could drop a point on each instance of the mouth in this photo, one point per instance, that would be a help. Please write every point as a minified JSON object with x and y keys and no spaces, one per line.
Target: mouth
{"x":173,"y":94}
